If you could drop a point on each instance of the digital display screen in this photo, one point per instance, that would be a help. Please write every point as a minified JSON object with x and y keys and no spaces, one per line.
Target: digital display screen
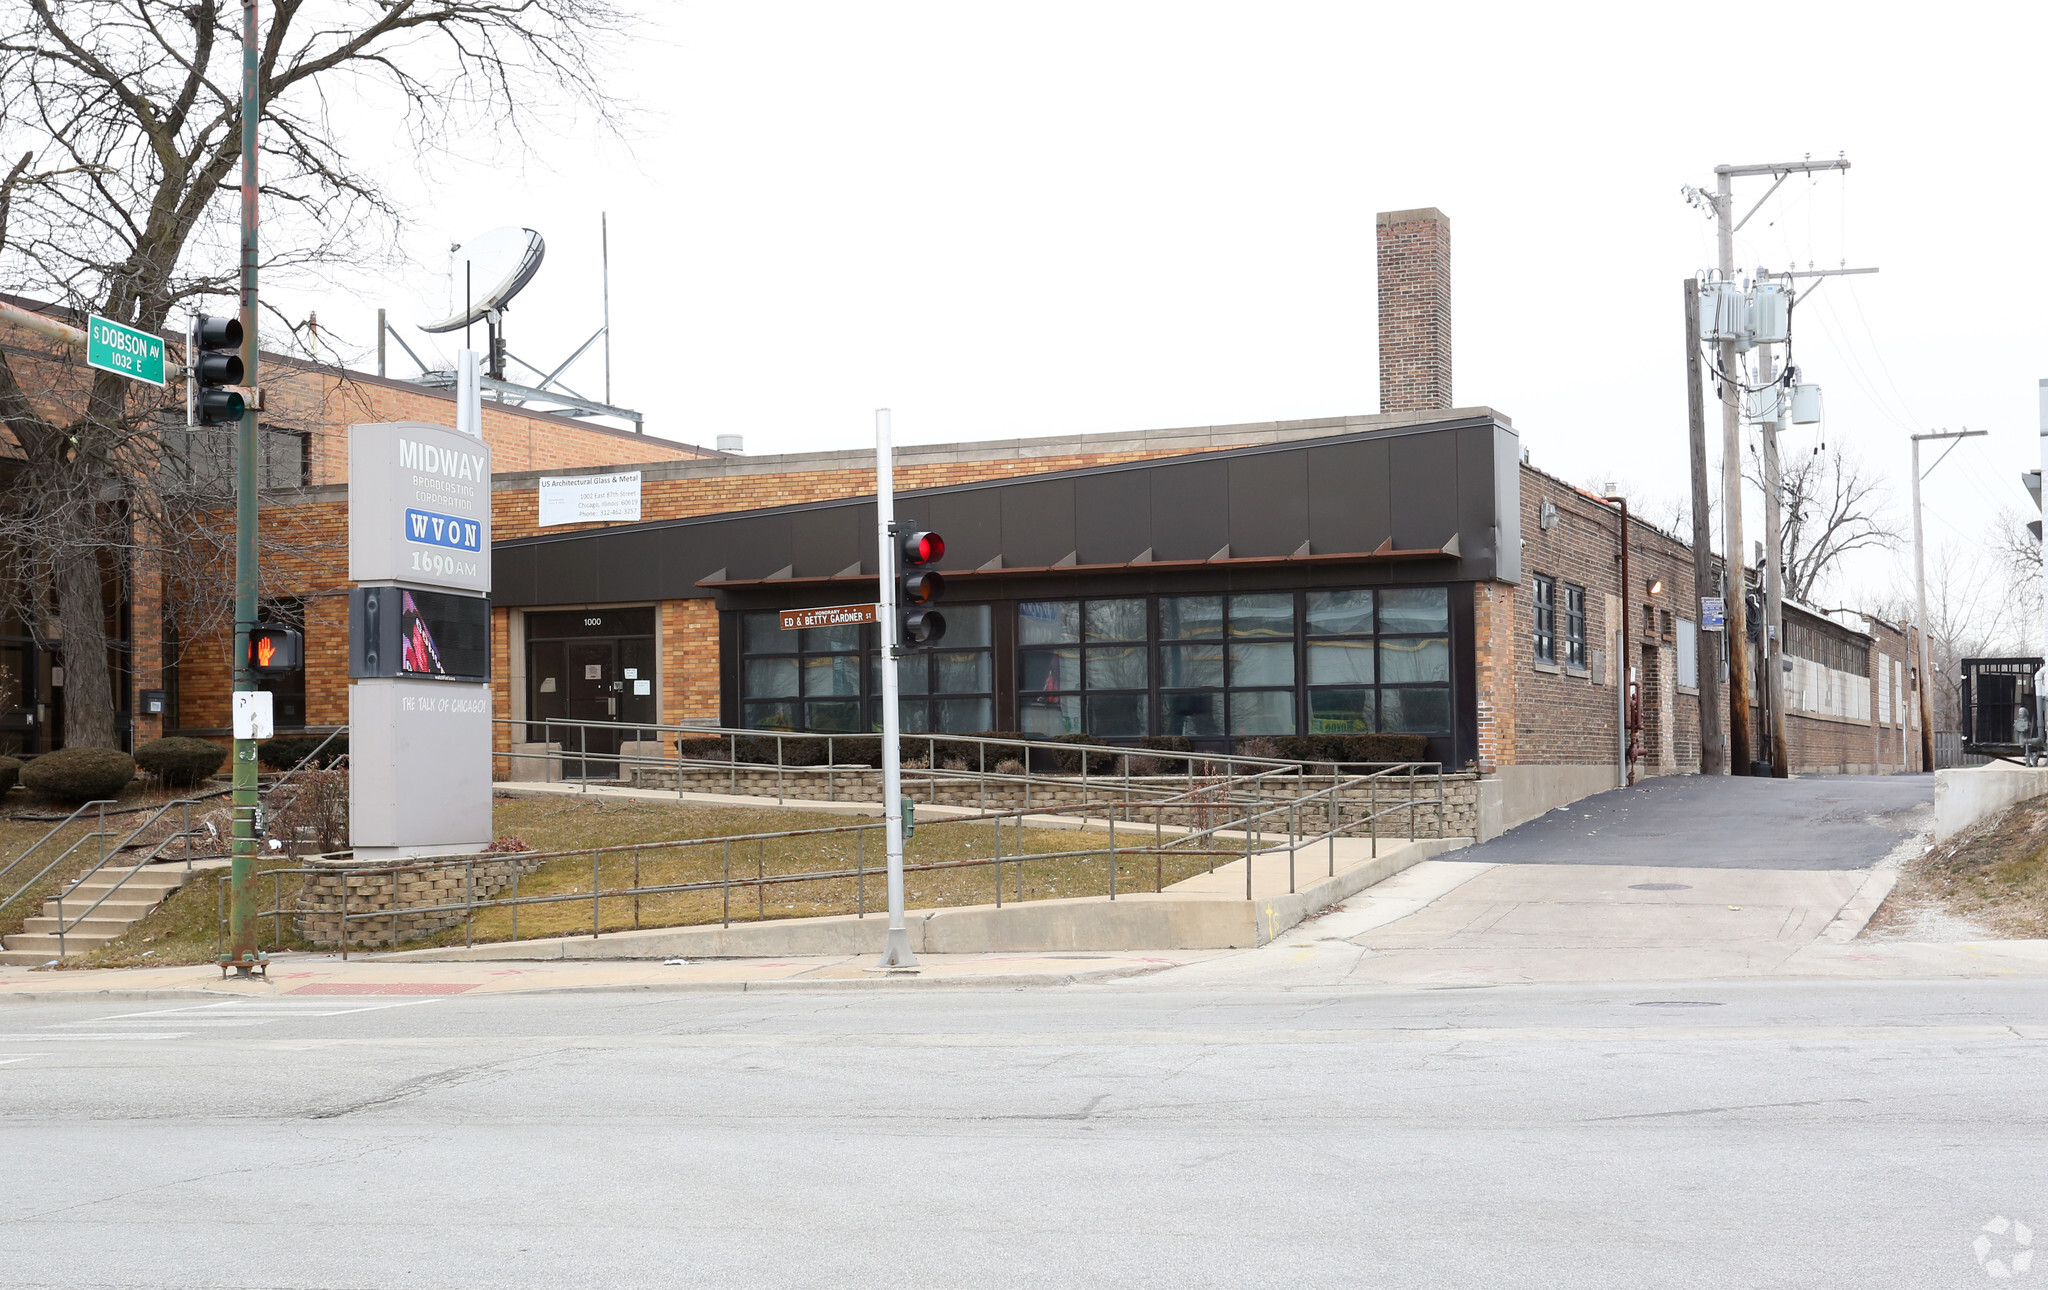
{"x":444,"y":635}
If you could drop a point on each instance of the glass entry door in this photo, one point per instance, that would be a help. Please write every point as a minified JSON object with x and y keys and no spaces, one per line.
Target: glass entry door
{"x":592,"y":672}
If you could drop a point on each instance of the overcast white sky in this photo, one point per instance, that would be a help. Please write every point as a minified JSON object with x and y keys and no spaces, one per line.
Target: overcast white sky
{"x":1067,"y":217}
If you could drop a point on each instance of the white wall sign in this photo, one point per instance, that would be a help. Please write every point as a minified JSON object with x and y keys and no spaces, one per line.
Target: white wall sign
{"x":589,"y":499}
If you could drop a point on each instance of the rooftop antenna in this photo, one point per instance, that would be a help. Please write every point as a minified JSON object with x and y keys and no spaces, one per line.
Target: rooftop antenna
{"x":604,"y":238}
{"x":496,"y":266}
{"x":509,"y":257}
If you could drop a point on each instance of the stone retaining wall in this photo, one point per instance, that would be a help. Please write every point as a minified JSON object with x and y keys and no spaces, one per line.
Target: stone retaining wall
{"x":1064,"y":795}
{"x":387,"y":895}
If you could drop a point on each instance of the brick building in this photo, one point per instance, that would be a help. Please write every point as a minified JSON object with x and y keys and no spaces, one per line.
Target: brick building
{"x":1407,"y":571}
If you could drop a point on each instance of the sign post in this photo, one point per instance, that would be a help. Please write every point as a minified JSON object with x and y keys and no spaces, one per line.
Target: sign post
{"x":896,"y":955}
{"x":419,"y":551}
{"x":124,"y":350}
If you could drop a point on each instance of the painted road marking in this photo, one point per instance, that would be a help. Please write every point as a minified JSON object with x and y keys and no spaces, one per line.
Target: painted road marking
{"x":239,"y":1012}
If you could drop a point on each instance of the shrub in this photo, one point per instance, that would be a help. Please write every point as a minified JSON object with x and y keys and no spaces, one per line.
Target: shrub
{"x":10,"y":773}
{"x":1351,"y":749}
{"x":179,"y":762}
{"x":704,"y":748}
{"x":79,"y":774}
{"x":1009,"y":766}
{"x":286,"y":751}
{"x":1067,"y":761}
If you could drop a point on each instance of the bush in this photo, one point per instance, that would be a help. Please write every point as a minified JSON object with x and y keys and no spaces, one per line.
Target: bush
{"x":79,"y":774}
{"x":1350,"y":749}
{"x":704,"y":748}
{"x":10,"y":773}
{"x":180,"y":763}
{"x":286,"y":751}
{"x":1068,"y":761}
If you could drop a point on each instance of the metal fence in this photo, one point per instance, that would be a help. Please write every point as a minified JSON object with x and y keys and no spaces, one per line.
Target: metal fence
{"x":1267,"y":810}
{"x":1948,"y":751}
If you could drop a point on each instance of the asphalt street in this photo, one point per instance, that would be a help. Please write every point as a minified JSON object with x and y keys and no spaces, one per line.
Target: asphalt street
{"x":1726,"y":822}
{"x":1767,"y":1133}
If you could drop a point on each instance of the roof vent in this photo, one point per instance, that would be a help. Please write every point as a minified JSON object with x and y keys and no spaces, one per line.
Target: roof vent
{"x":732,"y":443}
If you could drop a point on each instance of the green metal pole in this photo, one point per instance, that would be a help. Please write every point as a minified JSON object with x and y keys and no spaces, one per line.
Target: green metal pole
{"x":242,"y":903}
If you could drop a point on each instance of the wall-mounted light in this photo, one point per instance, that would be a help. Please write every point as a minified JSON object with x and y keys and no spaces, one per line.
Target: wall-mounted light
{"x":1656,"y":586}
{"x":1546,"y":518}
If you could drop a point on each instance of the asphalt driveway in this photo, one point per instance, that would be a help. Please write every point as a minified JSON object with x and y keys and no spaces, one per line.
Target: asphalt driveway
{"x":1724,"y":822}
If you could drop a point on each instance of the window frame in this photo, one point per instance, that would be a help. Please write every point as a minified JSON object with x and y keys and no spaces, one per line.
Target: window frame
{"x":1543,"y":629}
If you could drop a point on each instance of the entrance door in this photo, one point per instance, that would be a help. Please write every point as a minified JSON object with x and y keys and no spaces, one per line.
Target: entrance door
{"x":590,"y":693}
{"x":595,"y":666}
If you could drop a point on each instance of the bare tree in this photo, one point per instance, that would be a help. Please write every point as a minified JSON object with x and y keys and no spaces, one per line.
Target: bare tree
{"x":1832,"y":506}
{"x":125,"y":117}
{"x":1969,"y":616}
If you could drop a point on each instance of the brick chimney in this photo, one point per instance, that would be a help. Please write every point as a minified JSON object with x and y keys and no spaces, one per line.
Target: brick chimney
{"x":1415,"y":310}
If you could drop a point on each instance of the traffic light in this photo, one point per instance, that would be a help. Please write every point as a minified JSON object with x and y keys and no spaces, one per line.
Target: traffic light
{"x":216,"y":367}
{"x":276,"y":649}
{"x":918,"y":587}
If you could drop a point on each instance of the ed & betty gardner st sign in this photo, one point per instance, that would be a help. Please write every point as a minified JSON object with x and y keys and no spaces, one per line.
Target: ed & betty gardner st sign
{"x":830,"y":616}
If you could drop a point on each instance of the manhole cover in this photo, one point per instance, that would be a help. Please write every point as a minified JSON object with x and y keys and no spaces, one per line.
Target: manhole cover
{"x":1677,"y":1003}
{"x":1660,"y":886}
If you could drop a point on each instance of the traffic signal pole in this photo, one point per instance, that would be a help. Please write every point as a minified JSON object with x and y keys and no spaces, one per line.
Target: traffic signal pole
{"x":896,"y":955}
{"x":241,"y":951}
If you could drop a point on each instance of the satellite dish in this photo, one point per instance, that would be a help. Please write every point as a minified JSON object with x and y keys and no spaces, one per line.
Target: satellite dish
{"x":500,"y":263}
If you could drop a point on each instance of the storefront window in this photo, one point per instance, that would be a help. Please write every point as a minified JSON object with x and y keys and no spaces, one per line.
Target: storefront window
{"x":1083,"y":666}
{"x":829,"y":679}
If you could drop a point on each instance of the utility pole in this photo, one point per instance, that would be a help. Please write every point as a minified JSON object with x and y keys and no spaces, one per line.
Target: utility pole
{"x":241,"y":950}
{"x":1713,"y":743}
{"x":1727,"y":226}
{"x":1771,"y":640}
{"x":896,"y":954}
{"x":1920,"y":586}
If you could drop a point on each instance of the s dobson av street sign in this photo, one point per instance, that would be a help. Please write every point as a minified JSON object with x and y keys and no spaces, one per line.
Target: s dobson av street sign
{"x":124,"y":350}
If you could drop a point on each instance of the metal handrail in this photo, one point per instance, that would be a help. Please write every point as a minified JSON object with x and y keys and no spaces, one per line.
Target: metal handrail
{"x":186,"y":833}
{"x":1340,"y":818}
{"x":102,"y":802}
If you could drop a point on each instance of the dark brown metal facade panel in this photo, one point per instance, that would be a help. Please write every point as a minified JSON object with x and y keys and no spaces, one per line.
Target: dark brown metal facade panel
{"x":1417,"y":488}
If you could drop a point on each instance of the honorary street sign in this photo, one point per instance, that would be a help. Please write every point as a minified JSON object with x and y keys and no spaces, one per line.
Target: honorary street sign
{"x":124,"y":350}
{"x":830,"y":616}
{"x":419,"y":506}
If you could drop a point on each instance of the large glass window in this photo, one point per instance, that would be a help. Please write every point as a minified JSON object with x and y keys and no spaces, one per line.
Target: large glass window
{"x":830,"y":679}
{"x":948,"y":689}
{"x":1545,"y":602}
{"x":1083,"y":666}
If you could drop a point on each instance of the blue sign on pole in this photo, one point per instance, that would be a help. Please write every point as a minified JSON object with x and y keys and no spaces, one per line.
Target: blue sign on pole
{"x":1713,"y":614}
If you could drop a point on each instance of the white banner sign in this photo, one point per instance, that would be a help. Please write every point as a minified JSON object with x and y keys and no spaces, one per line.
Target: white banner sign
{"x":588,"y":499}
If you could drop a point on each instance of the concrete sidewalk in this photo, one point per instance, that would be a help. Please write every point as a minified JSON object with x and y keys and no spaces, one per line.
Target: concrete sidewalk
{"x":320,"y":974}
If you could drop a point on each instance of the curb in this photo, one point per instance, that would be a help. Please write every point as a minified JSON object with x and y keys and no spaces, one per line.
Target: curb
{"x":1005,"y":981}
{"x":1854,"y":916}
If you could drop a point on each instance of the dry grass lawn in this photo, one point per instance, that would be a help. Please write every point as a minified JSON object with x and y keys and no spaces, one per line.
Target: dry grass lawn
{"x":183,"y":930}
{"x":1993,"y":878}
{"x":26,"y":819}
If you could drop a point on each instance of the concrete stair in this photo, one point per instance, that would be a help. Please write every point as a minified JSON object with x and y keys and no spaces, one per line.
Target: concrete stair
{"x":139,"y":891}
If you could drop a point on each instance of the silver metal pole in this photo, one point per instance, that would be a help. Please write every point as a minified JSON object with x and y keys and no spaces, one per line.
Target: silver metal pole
{"x":896,"y":953}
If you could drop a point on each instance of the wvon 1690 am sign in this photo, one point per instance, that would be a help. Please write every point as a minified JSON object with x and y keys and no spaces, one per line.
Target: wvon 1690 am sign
{"x":124,"y":350}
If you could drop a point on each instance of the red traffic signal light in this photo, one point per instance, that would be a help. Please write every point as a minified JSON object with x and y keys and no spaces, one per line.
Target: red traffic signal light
{"x":276,"y":649}
{"x":923,"y":548}
{"x":917,"y":587}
